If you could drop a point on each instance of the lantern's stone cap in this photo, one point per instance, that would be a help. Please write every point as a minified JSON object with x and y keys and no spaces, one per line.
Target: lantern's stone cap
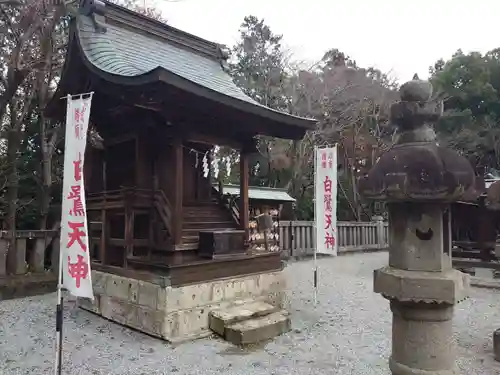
{"x":416,"y":168}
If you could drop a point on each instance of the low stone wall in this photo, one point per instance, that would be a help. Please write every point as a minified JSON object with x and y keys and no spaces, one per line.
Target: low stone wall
{"x":181,"y":313}
{"x":32,"y":284}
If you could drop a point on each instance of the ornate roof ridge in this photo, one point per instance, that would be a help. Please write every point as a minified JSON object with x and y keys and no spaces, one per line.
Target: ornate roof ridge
{"x":117,"y":14}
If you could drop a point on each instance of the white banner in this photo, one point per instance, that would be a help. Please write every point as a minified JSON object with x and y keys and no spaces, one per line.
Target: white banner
{"x":74,"y":256}
{"x":325,"y":194}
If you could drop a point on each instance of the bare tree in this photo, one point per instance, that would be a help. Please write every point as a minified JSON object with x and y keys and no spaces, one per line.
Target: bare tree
{"x":351,"y":105}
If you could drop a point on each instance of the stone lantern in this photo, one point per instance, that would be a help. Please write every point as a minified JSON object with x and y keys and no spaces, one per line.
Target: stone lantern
{"x":419,"y":179}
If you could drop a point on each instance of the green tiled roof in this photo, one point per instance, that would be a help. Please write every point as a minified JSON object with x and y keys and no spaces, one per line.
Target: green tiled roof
{"x":259,"y":193}
{"x":126,"y":52}
{"x":129,"y":49}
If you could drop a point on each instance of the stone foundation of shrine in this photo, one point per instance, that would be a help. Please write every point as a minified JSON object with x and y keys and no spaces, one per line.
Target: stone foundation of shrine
{"x":178,"y":313}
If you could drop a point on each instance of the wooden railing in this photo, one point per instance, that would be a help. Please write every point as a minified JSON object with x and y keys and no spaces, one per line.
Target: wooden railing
{"x":232,"y":204}
{"x":117,"y":199}
{"x":36,"y":251}
{"x":104,"y":198}
{"x":297,"y":238}
{"x":164,"y":209}
{"x":228,"y":201}
{"x":113,"y":199}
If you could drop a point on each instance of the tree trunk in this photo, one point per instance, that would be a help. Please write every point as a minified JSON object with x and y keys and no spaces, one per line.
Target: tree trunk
{"x":37,"y":261}
{"x":14,"y":141}
{"x":15,"y":79}
{"x":355,"y":200}
{"x":47,"y":153}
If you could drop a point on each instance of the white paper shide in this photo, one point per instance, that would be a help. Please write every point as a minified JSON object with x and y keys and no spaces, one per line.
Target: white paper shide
{"x":75,"y":258}
{"x":325,"y":185}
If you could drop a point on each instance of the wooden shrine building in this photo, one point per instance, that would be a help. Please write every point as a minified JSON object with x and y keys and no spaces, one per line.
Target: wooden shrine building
{"x":261,"y":199}
{"x":275,"y":202}
{"x":162,"y":100}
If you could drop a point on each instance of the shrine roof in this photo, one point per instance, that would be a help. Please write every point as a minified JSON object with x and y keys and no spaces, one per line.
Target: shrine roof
{"x":124,"y":52}
{"x":134,"y":49}
{"x":258,"y":193}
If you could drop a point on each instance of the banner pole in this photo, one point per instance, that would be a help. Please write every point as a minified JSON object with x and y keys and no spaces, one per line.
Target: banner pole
{"x":335,"y":197}
{"x":74,"y":259}
{"x":59,"y":322}
{"x":59,"y":306}
{"x":315,"y":263}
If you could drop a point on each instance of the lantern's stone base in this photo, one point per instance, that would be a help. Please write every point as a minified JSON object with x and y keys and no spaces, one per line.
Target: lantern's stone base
{"x":422,"y":305}
{"x":181,"y":313}
{"x":422,"y":339}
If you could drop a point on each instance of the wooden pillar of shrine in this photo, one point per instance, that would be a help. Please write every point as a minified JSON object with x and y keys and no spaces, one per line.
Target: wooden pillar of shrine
{"x":178,"y":187}
{"x":244,"y":208}
{"x":87,"y":166}
{"x":104,"y":222}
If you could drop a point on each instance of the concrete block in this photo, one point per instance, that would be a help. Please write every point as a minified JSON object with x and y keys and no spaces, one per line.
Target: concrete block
{"x":190,"y":296}
{"x":148,"y":294}
{"x":240,"y":311}
{"x":448,"y":287}
{"x":149,"y":321}
{"x":99,"y":280}
{"x":161,"y":299}
{"x":190,"y":322}
{"x":133,"y":291}
{"x":258,"y":329}
{"x":279,"y":299}
{"x":120,"y":311}
{"x":118,"y":287}
{"x":89,"y":305}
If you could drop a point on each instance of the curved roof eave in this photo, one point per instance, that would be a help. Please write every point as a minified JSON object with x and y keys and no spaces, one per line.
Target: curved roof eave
{"x":160,"y":74}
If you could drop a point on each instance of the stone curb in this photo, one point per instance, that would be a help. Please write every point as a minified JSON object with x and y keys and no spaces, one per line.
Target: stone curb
{"x":297,"y":258}
{"x":480,"y":282}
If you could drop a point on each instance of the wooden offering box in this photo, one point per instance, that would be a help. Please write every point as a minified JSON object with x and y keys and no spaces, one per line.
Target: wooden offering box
{"x":221,"y":243}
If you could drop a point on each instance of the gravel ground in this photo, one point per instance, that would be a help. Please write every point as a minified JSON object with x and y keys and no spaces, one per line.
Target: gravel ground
{"x":348,"y":332}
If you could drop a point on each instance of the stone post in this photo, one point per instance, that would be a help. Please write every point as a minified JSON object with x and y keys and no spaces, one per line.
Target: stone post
{"x":419,"y":179}
{"x":4,"y":249}
{"x":381,"y":242}
{"x":54,"y":256}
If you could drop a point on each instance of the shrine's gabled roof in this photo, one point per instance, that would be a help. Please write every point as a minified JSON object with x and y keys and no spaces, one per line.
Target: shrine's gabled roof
{"x":135,"y":49}
{"x":126,"y":53}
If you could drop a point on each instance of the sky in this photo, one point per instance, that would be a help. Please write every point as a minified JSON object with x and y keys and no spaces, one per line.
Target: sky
{"x":396,"y":36}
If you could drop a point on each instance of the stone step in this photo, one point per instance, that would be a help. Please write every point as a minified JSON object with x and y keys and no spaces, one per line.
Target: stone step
{"x":208,"y":224}
{"x":212,"y":202}
{"x":255,"y":330}
{"x":203,"y":211}
{"x":196,"y":231}
{"x":190,"y":239}
{"x":207,"y":206}
{"x":201,"y":217}
{"x":238,"y":312}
